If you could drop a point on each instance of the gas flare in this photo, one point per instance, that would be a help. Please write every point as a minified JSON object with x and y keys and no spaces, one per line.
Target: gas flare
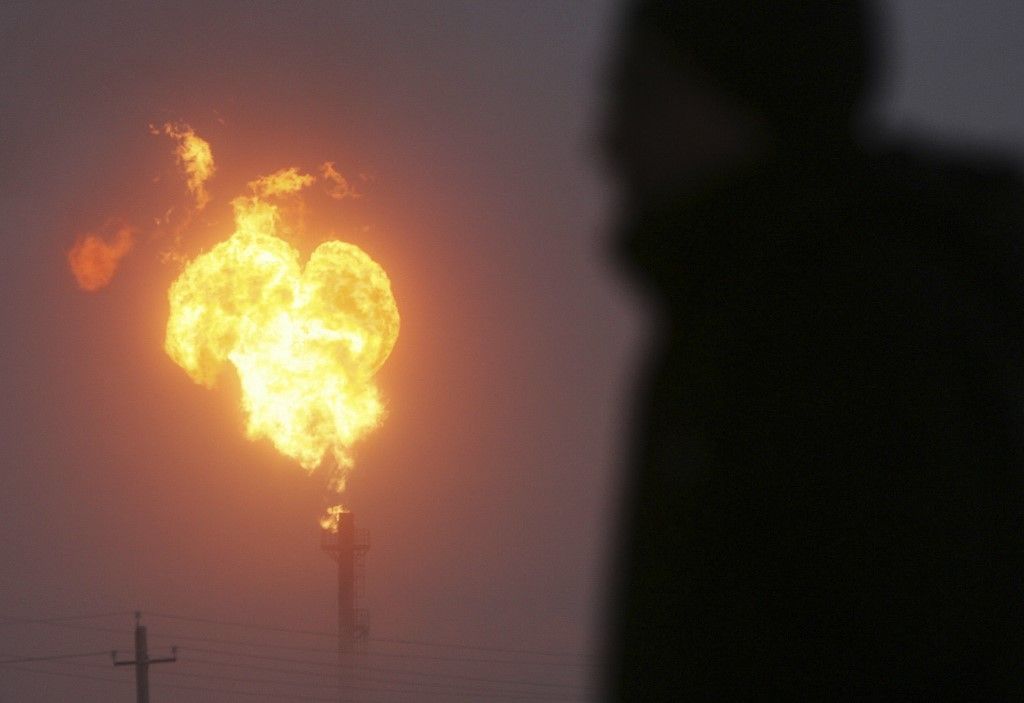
{"x":305,"y":342}
{"x":94,"y":261}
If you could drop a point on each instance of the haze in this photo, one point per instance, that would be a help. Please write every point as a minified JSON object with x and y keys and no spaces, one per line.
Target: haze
{"x":489,"y":490}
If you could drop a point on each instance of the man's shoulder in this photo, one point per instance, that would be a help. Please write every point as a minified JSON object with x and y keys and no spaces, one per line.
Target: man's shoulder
{"x":962,"y":209}
{"x":950,"y":177}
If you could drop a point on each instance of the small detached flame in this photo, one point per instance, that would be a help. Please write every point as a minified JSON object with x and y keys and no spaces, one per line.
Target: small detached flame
{"x":195,"y":157}
{"x":93,"y":260}
{"x":332,"y":517}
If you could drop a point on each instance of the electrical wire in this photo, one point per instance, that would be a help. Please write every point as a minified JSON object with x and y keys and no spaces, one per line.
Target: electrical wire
{"x":322,"y":650}
{"x":61,"y":622}
{"x":249,"y":643}
{"x":54,"y":657}
{"x":177,"y":686}
{"x":66,"y":622}
{"x":356,"y":674}
{"x":332,"y":665}
{"x":14,"y":620}
{"x":377,"y":689}
{"x":64,"y":674}
{"x":323,"y":633}
{"x":418,"y":685}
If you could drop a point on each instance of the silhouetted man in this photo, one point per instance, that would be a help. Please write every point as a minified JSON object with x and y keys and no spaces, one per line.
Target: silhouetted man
{"x":825,"y":500}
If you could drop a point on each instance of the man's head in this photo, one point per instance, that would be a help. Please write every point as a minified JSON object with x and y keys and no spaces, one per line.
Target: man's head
{"x":704,"y":86}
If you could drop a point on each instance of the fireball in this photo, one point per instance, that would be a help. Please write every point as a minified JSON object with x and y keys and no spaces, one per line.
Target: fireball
{"x":304,"y":341}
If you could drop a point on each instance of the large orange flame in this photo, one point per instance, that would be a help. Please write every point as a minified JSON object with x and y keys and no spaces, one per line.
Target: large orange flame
{"x":305,"y":342}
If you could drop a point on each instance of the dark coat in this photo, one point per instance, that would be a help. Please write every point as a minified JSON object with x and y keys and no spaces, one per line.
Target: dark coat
{"x":825,"y":500}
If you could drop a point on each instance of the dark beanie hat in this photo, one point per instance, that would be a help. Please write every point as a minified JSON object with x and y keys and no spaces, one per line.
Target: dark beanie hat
{"x":804,"y":64}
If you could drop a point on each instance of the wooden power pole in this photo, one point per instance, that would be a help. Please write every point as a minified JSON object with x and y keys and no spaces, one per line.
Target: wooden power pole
{"x":142,"y":661}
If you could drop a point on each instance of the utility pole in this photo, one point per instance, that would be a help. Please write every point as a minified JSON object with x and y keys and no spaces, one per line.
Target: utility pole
{"x":142,"y":661}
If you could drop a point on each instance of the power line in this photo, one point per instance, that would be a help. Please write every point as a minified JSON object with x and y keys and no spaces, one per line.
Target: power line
{"x":65,"y":623}
{"x":93,"y":628}
{"x":332,"y":665}
{"x":374,"y":689}
{"x":358,"y":675}
{"x":321,"y":650}
{"x":452,"y":645}
{"x":54,"y":657}
{"x":463,"y":660}
{"x":389,"y":680}
{"x":417,"y":689}
{"x":13,"y":620}
{"x":253,"y":694}
{"x":247,"y":643}
{"x":65,"y":675}
{"x":322,"y":633}
{"x":318,"y":650}
{"x":176,"y":686}
{"x":61,"y":622}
